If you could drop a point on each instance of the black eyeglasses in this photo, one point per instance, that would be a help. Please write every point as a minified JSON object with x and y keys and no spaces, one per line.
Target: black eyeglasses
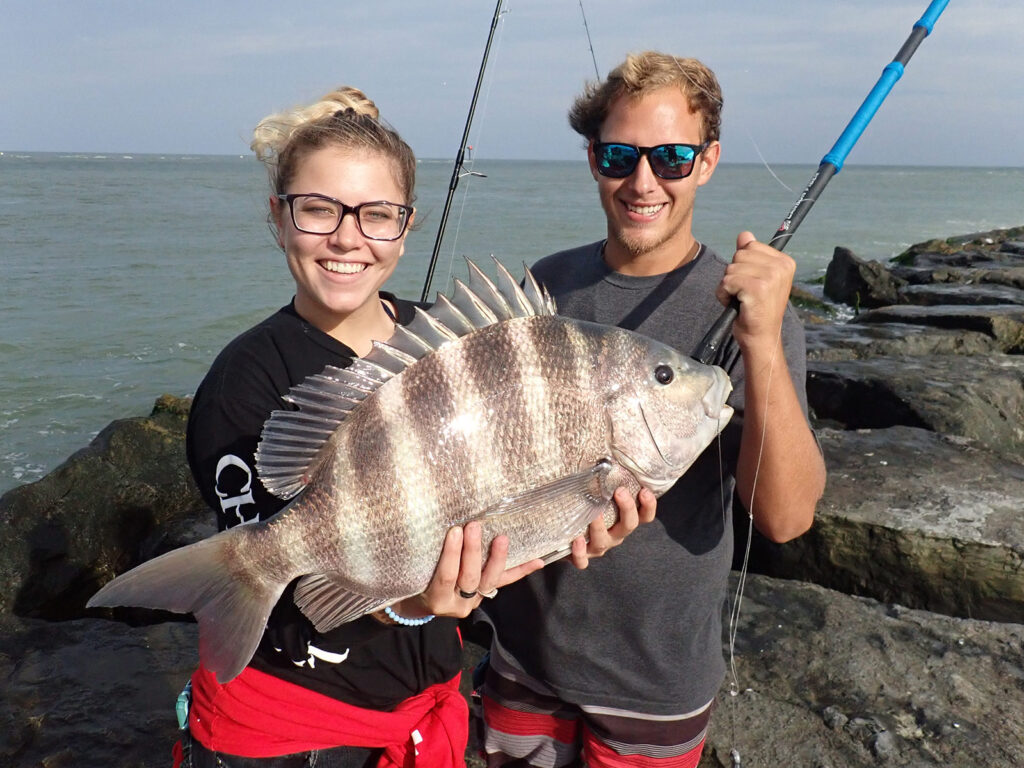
{"x":668,"y":161}
{"x":321,"y":215}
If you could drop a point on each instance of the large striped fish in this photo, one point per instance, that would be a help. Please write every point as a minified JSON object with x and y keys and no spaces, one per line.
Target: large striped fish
{"x":487,"y":407}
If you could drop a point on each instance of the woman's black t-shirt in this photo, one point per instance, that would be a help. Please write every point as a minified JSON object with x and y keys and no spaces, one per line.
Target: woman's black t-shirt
{"x":364,"y":662}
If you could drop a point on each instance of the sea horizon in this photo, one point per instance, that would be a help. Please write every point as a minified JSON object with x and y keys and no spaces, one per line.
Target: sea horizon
{"x":248,"y":155}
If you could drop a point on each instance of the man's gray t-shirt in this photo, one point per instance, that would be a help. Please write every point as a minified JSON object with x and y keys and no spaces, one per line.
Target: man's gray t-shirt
{"x":641,"y":628}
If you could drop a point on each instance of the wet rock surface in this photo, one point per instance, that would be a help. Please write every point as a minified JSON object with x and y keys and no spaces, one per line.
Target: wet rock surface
{"x":127,"y":497}
{"x":824,"y":679}
{"x":895,"y":638}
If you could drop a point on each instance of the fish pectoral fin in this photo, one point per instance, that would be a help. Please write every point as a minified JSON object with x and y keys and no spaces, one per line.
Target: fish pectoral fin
{"x":587,"y":485}
{"x":578,"y":499}
{"x":556,"y":555}
{"x":329,"y":603}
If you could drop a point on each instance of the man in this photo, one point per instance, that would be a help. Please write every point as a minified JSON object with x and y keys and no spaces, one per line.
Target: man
{"x":619,"y":665}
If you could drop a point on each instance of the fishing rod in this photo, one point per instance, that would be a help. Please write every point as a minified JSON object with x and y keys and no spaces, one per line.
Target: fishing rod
{"x":586,"y":27}
{"x":830,"y":165}
{"x":457,"y":173}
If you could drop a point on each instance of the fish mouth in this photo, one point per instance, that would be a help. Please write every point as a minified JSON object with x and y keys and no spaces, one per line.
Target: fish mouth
{"x":714,"y":400}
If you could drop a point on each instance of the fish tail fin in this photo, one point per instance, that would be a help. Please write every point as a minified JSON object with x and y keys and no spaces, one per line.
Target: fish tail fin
{"x":231,"y":612}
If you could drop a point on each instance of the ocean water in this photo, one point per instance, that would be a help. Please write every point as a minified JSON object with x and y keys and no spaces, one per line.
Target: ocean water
{"x":121,"y":277}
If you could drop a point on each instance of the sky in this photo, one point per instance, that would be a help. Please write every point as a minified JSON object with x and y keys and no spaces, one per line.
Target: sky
{"x":188,"y":77}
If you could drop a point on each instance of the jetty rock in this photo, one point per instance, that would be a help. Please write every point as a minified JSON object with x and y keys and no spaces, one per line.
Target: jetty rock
{"x":125,"y":498}
{"x":825,"y":680}
{"x":920,"y":412}
{"x":914,"y":517}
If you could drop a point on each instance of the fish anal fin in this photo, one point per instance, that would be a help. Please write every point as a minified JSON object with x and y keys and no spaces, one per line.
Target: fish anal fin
{"x":328,"y":603}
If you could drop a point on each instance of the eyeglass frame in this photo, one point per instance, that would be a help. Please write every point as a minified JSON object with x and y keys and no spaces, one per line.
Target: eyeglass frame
{"x":346,"y":209}
{"x":646,"y":152}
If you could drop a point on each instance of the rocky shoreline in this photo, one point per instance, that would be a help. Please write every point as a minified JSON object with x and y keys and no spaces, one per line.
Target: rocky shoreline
{"x":892,"y":633}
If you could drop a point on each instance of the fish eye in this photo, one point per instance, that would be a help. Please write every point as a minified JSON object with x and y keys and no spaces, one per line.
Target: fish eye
{"x":664,"y":374}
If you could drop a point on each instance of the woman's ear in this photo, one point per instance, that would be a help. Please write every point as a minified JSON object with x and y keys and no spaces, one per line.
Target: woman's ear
{"x":277,"y":207}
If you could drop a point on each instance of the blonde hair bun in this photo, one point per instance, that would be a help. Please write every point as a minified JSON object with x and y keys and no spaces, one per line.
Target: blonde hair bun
{"x":273,"y":132}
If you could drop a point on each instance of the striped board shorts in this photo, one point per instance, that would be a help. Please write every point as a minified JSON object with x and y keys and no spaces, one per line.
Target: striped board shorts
{"x":526,"y":724}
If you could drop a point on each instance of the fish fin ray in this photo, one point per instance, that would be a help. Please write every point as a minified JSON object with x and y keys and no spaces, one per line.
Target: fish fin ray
{"x":232,"y":614}
{"x":487,"y":291}
{"x":329,"y":603}
{"x":431,"y":329}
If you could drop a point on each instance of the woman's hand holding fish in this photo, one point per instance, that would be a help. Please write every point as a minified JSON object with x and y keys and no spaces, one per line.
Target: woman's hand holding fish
{"x":599,"y":539}
{"x":459,"y":571}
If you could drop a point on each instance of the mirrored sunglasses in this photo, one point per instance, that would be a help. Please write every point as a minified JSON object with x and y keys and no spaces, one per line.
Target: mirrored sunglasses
{"x":668,"y":161}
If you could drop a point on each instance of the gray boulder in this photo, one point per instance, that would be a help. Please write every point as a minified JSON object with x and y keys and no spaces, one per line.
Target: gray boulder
{"x":1004,"y":323}
{"x":990,"y":245}
{"x":858,"y":283}
{"x":980,"y":396}
{"x":859,"y":341}
{"x":917,"y":518}
{"x":824,"y":680}
{"x":971,"y":294}
{"x":125,"y":498}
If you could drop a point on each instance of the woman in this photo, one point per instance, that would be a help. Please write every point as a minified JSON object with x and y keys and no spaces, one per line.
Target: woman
{"x":381,"y":690}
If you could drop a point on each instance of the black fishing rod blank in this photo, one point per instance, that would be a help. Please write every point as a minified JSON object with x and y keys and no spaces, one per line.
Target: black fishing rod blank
{"x":457,"y":171}
{"x":830,"y":165}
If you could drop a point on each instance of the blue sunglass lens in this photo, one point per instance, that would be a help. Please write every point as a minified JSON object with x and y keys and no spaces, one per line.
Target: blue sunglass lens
{"x":618,"y":159}
{"x":672,"y":160}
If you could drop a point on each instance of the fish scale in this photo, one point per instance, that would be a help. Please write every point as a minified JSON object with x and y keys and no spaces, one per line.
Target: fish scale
{"x":487,"y":407}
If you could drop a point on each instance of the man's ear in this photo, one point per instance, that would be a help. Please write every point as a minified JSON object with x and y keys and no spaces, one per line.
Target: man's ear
{"x":708,"y":162}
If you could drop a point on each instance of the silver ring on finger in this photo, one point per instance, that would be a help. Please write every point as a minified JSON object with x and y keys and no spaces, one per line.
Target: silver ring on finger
{"x":492,"y":593}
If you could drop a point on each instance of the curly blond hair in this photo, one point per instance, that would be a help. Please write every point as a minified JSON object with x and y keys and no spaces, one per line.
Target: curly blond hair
{"x":638,"y":76}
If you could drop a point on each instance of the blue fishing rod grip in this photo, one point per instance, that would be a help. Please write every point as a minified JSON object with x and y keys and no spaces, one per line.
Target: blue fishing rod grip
{"x":837,"y":155}
{"x":932,"y":15}
{"x":892,"y":72}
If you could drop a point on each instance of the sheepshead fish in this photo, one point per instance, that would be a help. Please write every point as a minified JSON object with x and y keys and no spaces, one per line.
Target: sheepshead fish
{"x":487,"y":407}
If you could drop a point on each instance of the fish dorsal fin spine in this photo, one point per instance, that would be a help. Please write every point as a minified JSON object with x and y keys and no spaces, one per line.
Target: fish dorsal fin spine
{"x":291,"y":445}
{"x":481,"y":285}
{"x":431,"y":330}
{"x":509,"y":288}
{"x":474,"y":308}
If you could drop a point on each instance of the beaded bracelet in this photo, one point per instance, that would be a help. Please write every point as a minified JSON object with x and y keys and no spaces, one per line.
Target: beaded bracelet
{"x":407,"y":622}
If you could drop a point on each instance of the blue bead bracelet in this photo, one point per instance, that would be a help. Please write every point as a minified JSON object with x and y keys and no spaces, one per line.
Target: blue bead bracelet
{"x":404,"y":621}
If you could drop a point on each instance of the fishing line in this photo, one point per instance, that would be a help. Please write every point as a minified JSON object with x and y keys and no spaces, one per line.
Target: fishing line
{"x":764,"y":162}
{"x":741,"y":582}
